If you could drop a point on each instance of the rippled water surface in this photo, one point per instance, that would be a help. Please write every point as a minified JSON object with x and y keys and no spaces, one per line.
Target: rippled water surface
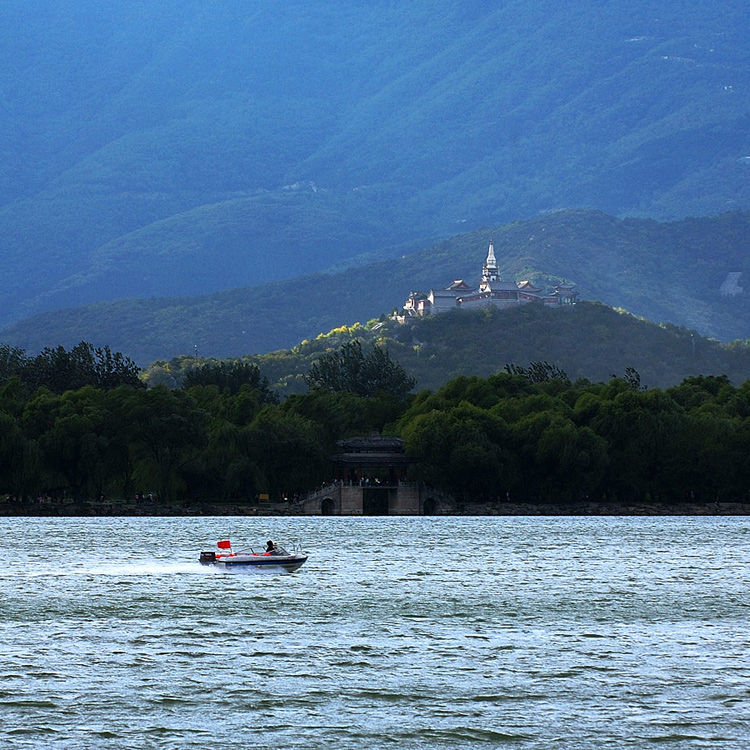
{"x":397,"y":633}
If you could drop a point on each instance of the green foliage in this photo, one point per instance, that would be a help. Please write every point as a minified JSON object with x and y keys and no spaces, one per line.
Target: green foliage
{"x":504,"y":437}
{"x":462,"y":448}
{"x":288,"y":449}
{"x":231,"y":376}
{"x":340,"y":414}
{"x":176,"y":444}
{"x":617,"y":444}
{"x":60,"y":370}
{"x":589,"y":341}
{"x":352,"y":371}
{"x":633,"y":378}
{"x":538,"y":372}
{"x":13,"y":361}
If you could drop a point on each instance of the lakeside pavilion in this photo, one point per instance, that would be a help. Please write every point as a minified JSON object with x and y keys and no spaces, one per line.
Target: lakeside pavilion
{"x":370,"y":481}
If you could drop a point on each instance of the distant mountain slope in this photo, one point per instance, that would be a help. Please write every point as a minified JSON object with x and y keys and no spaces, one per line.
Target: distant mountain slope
{"x":147,"y":148}
{"x":667,"y":272}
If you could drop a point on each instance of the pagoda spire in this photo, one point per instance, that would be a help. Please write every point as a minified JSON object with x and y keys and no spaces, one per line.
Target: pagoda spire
{"x":489,"y":271}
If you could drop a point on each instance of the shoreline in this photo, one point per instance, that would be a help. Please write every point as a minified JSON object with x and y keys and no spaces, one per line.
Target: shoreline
{"x":33,"y":509}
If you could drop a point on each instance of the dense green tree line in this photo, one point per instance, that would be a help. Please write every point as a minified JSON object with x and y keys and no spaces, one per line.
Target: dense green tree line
{"x":515,"y":436}
{"x":223,"y":435}
{"x":526,"y":434}
{"x":175,"y":444}
{"x":60,"y":370}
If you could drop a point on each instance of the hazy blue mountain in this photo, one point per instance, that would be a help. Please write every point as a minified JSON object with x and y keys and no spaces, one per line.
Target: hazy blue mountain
{"x":181,"y":148}
{"x":668,"y":272}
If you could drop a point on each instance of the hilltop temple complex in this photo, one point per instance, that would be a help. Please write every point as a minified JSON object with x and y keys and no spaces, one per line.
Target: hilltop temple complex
{"x":371,"y":471}
{"x":492,"y":291}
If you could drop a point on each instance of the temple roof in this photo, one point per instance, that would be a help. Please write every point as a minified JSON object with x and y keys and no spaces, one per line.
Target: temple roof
{"x":374,"y":450}
{"x":459,"y":284}
{"x":446,"y":293}
{"x":372,"y":444}
{"x":527,"y":286}
{"x":564,"y":290}
{"x":499,"y":285}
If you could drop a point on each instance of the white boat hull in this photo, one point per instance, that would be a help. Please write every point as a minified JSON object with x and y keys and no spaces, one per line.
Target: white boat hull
{"x":290,"y":563}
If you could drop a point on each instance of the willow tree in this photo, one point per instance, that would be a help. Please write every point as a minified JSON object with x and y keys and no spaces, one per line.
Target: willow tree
{"x":350,"y":369}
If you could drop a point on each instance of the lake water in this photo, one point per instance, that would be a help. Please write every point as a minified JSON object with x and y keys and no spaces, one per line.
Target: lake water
{"x":397,"y":633}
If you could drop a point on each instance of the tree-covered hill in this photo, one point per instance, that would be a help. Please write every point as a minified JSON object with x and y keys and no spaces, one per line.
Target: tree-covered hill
{"x":588,"y":341}
{"x":667,"y":272}
{"x":181,"y":148}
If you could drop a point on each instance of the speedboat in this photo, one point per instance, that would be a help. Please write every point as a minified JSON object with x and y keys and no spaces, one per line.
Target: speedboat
{"x":276,"y":557}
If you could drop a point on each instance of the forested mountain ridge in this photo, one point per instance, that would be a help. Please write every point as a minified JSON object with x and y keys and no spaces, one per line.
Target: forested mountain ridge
{"x":669,"y":272}
{"x":587,"y":341}
{"x":183,"y":148}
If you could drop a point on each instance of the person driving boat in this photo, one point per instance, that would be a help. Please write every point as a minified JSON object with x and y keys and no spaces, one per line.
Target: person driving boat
{"x":271,"y":548}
